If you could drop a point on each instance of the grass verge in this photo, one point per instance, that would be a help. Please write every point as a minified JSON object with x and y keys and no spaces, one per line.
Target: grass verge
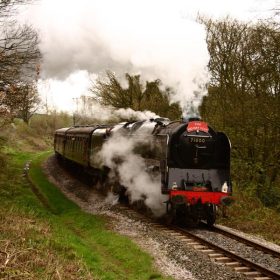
{"x":43,"y":235}
{"x":249,"y":215}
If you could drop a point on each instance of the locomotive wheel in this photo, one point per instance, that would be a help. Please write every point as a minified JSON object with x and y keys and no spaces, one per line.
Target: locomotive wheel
{"x":192,"y":221}
{"x":211,"y":215}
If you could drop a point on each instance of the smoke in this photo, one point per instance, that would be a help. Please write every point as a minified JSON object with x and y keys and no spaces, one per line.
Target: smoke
{"x":157,"y":39}
{"x":112,"y":199}
{"x":64,"y":94}
{"x":137,"y":115}
{"x":130,"y":169}
{"x":89,"y":108}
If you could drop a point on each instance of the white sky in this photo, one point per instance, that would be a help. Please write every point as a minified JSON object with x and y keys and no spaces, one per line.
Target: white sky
{"x":156,"y":38}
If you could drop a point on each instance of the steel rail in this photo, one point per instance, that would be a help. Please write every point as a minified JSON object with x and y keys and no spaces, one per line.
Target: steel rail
{"x":242,"y":239}
{"x":261,"y":269}
{"x":243,"y":261}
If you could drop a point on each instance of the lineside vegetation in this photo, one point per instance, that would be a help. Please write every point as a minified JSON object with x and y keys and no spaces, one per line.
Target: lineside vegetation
{"x":244,"y":101}
{"x":43,"y":235}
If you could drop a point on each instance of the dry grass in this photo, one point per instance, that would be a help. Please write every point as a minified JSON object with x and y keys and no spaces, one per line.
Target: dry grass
{"x":249,"y":215}
{"x":26,"y":139}
{"x":27,"y":253}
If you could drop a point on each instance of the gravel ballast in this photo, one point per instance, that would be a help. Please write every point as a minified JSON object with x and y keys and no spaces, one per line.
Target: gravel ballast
{"x":242,"y":250}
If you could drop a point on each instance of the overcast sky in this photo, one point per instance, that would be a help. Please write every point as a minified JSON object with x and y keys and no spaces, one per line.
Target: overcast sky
{"x":157,"y":39}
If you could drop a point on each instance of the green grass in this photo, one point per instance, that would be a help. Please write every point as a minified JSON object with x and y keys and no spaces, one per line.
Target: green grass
{"x":51,"y":238}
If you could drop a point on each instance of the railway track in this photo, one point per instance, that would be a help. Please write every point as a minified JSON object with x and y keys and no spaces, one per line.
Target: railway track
{"x":219,"y":254}
{"x":246,"y":241}
{"x":216,"y":252}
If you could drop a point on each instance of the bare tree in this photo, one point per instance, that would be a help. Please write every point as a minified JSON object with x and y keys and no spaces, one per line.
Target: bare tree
{"x":8,"y":8}
{"x":30,"y":101}
{"x":19,"y":57}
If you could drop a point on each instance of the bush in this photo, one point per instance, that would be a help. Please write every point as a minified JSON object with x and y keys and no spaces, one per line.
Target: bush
{"x":44,"y":124}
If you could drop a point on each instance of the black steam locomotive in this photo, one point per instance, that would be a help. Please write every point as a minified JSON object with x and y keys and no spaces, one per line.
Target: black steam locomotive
{"x":192,"y":159}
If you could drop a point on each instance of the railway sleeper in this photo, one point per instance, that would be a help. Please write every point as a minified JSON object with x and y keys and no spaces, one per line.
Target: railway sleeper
{"x":193,"y":243}
{"x":252,"y":274}
{"x":208,"y":251}
{"x":199,"y":247}
{"x":242,"y":269}
{"x":262,"y":278}
{"x":214,"y":255}
{"x":233,"y":264}
{"x":222,"y":259}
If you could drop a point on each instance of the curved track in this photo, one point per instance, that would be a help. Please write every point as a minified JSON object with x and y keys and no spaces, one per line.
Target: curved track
{"x":219,"y":254}
{"x":216,"y":252}
{"x":246,"y":241}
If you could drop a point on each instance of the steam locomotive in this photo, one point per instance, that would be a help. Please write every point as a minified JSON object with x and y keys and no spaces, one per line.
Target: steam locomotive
{"x":192,"y":159}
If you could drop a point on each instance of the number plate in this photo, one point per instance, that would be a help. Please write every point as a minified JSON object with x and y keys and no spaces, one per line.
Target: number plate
{"x":200,"y":140}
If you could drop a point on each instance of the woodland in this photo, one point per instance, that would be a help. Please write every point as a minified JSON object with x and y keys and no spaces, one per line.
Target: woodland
{"x":242,"y":100}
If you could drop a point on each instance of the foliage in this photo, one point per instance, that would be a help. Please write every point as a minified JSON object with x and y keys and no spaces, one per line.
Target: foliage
{"x":3,"y":158}
{"x":136,"y":96}
{"x":22,"y":100}
{"x":249,"y":215}
{"x":46,"y":125}
{"x":36,"y":135}
{"x":19,"y":60}
{"x":244,"y":100}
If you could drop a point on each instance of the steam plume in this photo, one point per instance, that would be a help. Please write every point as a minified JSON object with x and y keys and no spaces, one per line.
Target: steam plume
{"x":153,"y":38}
{"x":157,"y":39}
{"x":93,"y":110}
{"x":118,"y":154}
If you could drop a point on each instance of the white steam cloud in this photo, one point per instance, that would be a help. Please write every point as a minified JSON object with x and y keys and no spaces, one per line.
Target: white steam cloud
{"x":157,"y":39}
{"x":130,"y":169}
{"x":93,"y":110}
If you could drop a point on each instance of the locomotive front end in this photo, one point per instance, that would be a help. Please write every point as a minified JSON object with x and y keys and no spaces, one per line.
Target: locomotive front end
{"x":198,"y":176}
